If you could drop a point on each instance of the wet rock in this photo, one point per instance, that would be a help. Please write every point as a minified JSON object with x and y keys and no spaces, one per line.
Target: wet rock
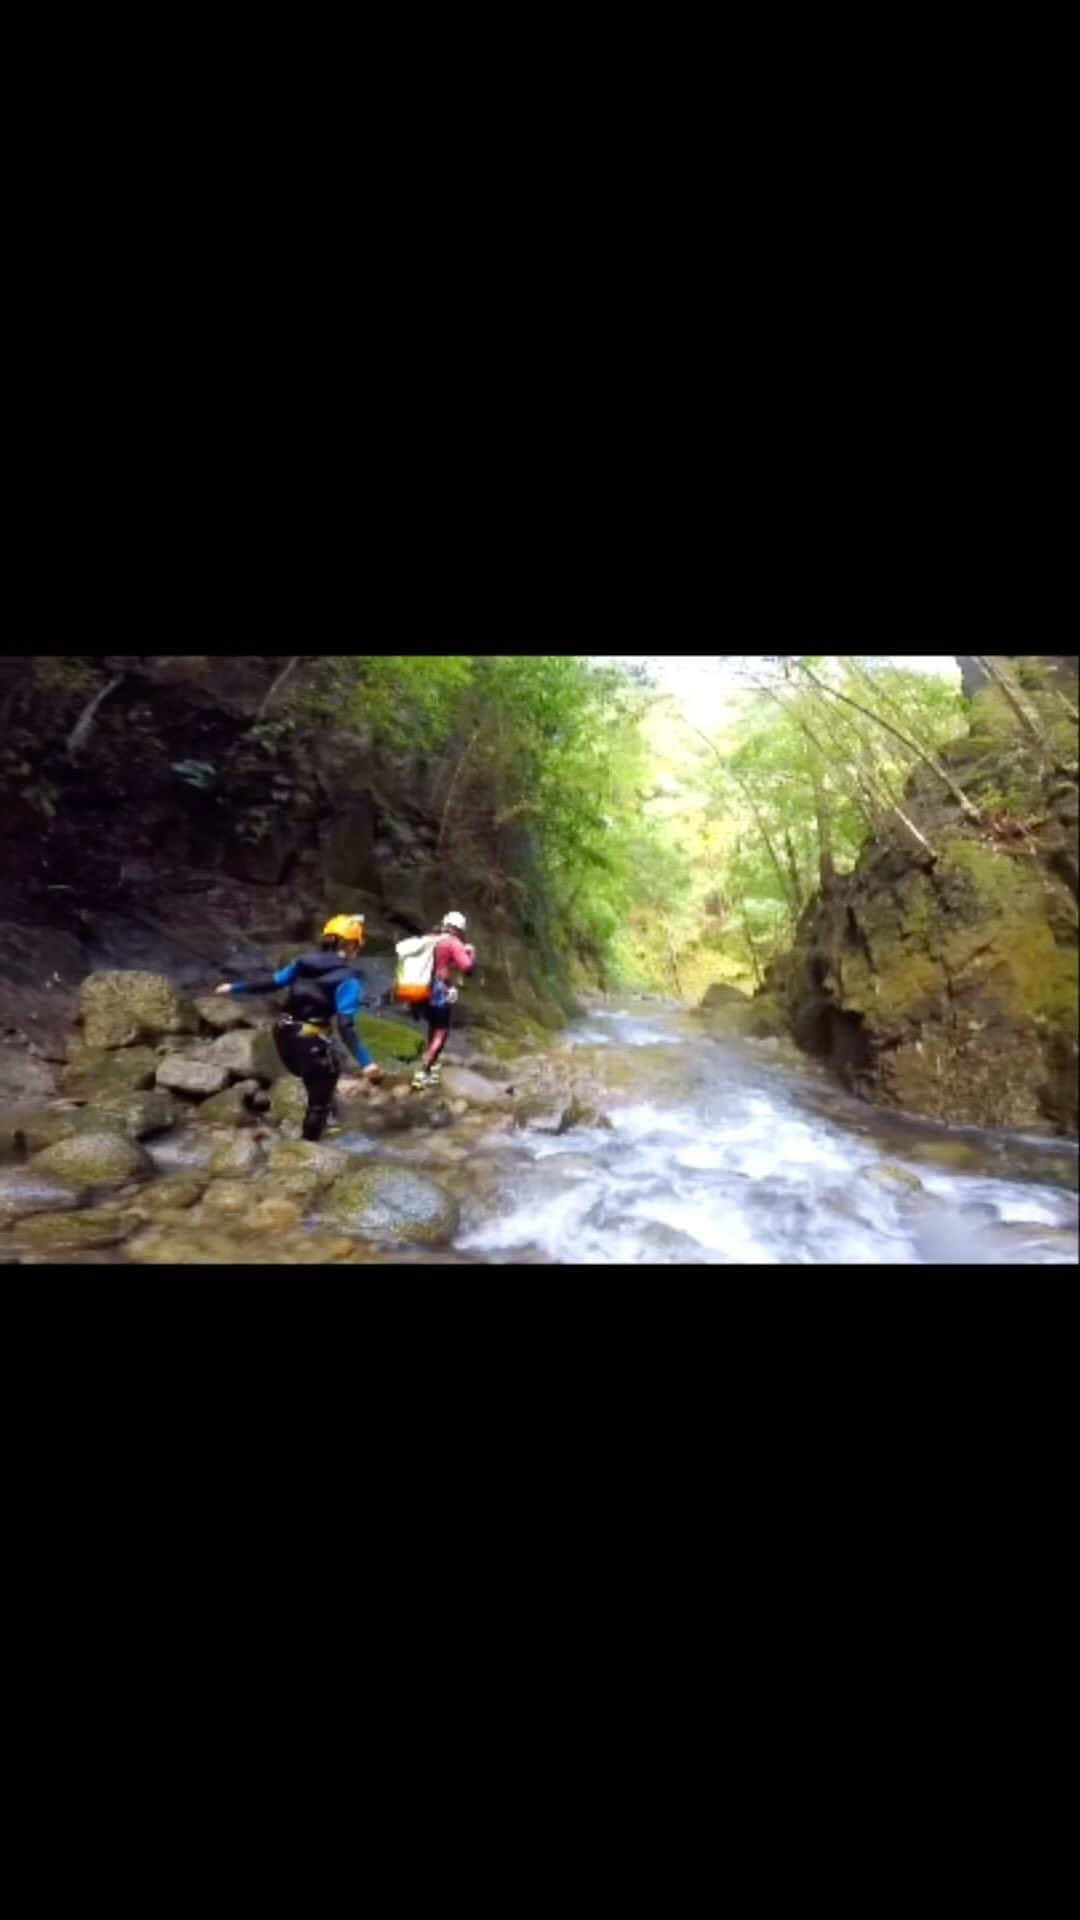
{"x":288,"y":1100}
{"x":224,"y":1199}
{"x":236,"y":1160}
{"x":887,"y":1175}
{"x":119,"y":1008}
{"x":28,"y":1190}
{"x":235,"y":1106}
{"x":310,"y":1158}
{"x":185,"y":1075}
{"x":90,"y":1159}
{"x":581,"y":1114}
{"x":92,"y":1073}
{"x":224,"y":1011}
{"x":543,"y":1112}
{"x":275,"y":1213}
{"x":722,"y":993}
{"x":172,"y":1194}
{"x":93,"y":1227}
{"x":462,"y":1084}
{"x":241,"y":1053}
{"x":185,"y":1244}
{"x":394,"y":1206}
{"x":138,"y":1115}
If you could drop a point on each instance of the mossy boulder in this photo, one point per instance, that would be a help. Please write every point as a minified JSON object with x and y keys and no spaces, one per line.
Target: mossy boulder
{"x":393,"y":1206}
{"x":119,"y":1008}
{"x":94,"y":1159}
{"x":235,"y":1106}
{"x":70,"y":1232}
{"x":173,"y":1194}
{"x":138,"y":1115}
{"x":92,"y":1073}
{"x":311,"y":1159}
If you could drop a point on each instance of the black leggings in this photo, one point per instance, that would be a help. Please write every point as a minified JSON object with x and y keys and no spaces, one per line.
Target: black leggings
{"x":312,"y":1059}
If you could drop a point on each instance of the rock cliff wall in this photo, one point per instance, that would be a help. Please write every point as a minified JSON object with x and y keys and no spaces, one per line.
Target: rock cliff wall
{"x":945,"y":983}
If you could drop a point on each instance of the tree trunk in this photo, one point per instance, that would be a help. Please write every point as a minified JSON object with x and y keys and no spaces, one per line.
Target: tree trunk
{"x":967,"y":807}
{"x":793,"y":869}
{"x":826,"y":869}
{"x":1011,"y":692}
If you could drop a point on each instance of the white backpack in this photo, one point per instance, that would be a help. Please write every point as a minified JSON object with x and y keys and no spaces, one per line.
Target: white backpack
{"x":416,"y":966}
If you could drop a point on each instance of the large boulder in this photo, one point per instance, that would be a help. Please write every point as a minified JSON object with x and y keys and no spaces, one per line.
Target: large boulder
{"x":119,"y":1008}
{"x":174,"y":1194}
{"x":104,"y":1159}
{"x":394,"y":1207}
{"x":93,"y":1072}
{"x":185,"y":1075}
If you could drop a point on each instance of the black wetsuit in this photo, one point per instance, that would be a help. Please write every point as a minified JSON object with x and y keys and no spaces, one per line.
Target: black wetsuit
{"x":320,"y":986}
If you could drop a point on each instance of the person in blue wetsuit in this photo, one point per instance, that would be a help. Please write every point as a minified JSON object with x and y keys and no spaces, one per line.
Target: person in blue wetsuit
{"x":321,"y":987}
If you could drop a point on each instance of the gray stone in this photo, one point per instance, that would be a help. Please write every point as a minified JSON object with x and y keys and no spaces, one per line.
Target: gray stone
{"x":460,"y":1083}
{"x":185,"y":1075}
{"x":224,"y":1011}
{"x":27,"y":1190}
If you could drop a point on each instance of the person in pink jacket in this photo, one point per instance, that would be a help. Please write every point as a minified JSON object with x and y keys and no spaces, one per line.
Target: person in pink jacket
{"x":451,"y":954}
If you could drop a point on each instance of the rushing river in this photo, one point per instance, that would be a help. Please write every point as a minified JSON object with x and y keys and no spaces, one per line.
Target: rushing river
{"x":727,"y":1151}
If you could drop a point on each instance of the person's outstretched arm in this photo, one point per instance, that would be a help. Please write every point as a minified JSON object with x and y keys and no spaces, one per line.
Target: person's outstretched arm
{"x":263,"y":983}
{"x":346,"y":1003}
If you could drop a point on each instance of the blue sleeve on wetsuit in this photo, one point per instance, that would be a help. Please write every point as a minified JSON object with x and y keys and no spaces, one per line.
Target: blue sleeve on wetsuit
{"x":347,"y":1000}
{"x":280,"y":979}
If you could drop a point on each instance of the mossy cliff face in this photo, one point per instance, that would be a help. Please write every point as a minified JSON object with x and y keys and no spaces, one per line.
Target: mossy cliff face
{"x":948,"y":986}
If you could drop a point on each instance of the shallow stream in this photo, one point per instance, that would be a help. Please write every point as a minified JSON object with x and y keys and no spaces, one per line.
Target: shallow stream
{"x":728,"y":1150}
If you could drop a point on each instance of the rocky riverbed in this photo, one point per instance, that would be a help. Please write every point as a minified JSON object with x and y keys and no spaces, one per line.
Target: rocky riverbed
{"x":642,"y":1134}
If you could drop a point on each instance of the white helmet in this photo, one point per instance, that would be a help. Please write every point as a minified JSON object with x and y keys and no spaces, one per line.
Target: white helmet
{"x":454,"y":920}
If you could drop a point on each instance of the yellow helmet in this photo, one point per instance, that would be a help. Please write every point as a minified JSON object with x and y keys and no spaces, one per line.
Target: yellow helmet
{"x":345,"y":926}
